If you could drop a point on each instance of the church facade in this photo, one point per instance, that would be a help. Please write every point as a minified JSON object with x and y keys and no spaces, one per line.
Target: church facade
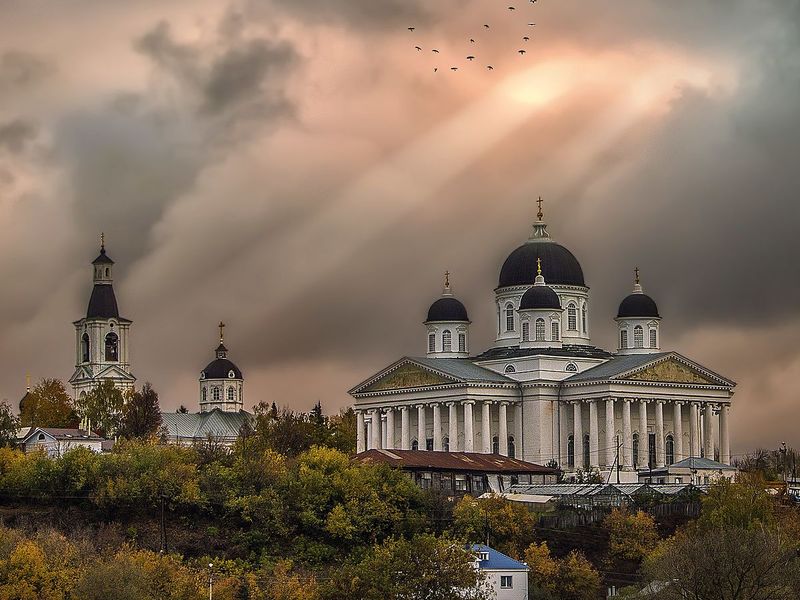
{"x":543,"y":392}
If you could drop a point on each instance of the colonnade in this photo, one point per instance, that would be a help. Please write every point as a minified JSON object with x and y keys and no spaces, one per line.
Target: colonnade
{"x":707,"y":422}
{"x":376,"y":427}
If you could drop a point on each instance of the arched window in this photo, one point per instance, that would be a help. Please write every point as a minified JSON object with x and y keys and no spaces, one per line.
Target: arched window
{"x":653,"y":338}
{"x":231,"y":394}
{"x":41,"y":437}
{"x":572,"y":317}
{"x":555,"y":331}
{"x":512,"y":449}
{"x":431,"y":342}
{"x":587,"y":457}
{"x":669,"y":448}
{"x":635,"y":449}
{"x":203,"y":394}
{"x":495,"y":445}
{"x":539,"y":330}
{"x":415,"y":445}
{"x":583,"y":318}
{"x":571,"y":368}
{"x":462,"y":342}
{"x":429,"y":444}
{"x":446,"y":444}
{"x":623,"y":339}
{"x":215,"y":393}
{"x":447,"y":340}
{"x":112,"y":347}
{"x":509,"y":317}
{"x":571,"y":451}
{"x":85,"y":348}
{"x":638,"y":337}
{"x":509,"y":369}
{"x":526,"y":331}
{"x":108,"y":272}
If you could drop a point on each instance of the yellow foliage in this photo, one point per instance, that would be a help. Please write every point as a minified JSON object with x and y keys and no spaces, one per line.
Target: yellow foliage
{"x":632,"y":535}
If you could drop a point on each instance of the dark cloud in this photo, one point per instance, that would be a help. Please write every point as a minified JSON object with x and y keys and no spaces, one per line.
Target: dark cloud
{"x":16,"y":134}
{"x":22,"y":69}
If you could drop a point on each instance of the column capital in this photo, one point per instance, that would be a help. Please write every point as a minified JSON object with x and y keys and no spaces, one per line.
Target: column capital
{"x":358,"y":411}
{"x":418,"y":406}
{"x":450,"y":403}
{"x":468,"y":402}
{"x":404,"y":407}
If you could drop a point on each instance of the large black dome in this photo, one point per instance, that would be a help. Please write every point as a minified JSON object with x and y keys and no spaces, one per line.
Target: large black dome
{"x":540,"y":296}
{"x":638,"y":305}
{"x":559,"y":265}
{"x":220,"y":368}
{"x":447,"y":309}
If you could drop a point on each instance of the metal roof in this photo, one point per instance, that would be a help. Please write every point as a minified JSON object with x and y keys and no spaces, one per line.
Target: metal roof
{"x":497,"y":561}
{"x":451,"y":461}
{"x":600,"y":489}
{"x":615,"y":366}
{"x":215,"y":423}
{"x":463,"y":369}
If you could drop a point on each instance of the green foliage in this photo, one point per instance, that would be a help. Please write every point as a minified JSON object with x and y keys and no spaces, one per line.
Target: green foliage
{"x":570,"y":578}
{"x":141,"y":415}
{"x":48,"y":405}
{"x":632,"y":535}
{"x":741,"y":504}
{"x":508,"y":525}
{"x":291,"y":433}
{"x":9,"y":424}
{"x":102,"y":408}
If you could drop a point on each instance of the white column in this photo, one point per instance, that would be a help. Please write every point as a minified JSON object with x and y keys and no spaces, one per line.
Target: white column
{"x":627,"y":434}
{"x":518,"y":429}
{"x":375,"y":420}
{"x":437,"y":427}
{"x":563,"y":434}
{"x":389,"y":429}
{"x":486,"y":428}
{"x":452,"y":426}
{"x":694,"y":429}
{"x":469,"y":429}
{"x":384,"y":429}
{"x":360,"y":441}
{"x":594,"y":433}
{"x":611,"y":440}
{"x":502,"y":430}
{"x":724,"y":438}
{"x":660,"y":461}
{"x":577,"y":434}
{"x":405,"y":429}
{"x":422,"y":436}
{"x":708,"y":434}
{"x":644,"y":439}
{"x":677,"y":430}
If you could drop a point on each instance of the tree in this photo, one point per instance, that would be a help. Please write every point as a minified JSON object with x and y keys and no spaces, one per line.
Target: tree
{"x":577,"y":578}
{"x":632,"y":536}
{"x":543,"y":574}
{"x":740,"y":504}
{"x":48,"y":405}
{"x":102,"y":408}
{"x":141,"y":415}
{"x":507,"y":525}
{"x":9,"y":424}
{"x":422,"y":568}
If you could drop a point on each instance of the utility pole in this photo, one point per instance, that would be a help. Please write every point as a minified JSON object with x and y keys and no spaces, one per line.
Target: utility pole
{"x":163,"y":524}
{"x":617,"y":459}
{"x":210,"y":581}
{"x":784,"y":452}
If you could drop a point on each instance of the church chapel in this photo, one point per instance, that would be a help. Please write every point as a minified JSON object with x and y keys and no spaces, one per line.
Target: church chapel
{"x":543,"y":392}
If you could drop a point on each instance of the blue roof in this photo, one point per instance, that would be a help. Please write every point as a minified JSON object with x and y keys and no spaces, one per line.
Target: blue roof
{"x":497,"y":560}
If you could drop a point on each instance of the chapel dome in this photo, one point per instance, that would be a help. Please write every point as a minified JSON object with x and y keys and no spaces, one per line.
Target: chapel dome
{"x":221,"y":368}
{"x":638,"y":305}
{"x":559,"y":265}
{"x":447,"y":309}
{"x":540,"y":296}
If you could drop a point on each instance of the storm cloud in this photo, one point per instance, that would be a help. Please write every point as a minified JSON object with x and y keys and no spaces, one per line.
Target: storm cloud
{"x":299,"y":170}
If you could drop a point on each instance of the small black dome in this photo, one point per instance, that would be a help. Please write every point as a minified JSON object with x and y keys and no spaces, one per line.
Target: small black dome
{"x":447,"y":309}
{"x":638,"y":305}
{"x":540,"y":296}
{"x":103,"y":258}
{"x":559,"y":265}
{"x":219,"y":369}
{"x":102,"y":303}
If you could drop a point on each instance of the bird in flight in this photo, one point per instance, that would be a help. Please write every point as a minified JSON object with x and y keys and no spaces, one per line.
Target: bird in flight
{"x":470,"y":58}
{"x":471,"y":41}
{"x":521,"y":51}
{"x":454,"y":68}
{"x":511,"y":8}
{"x":531,"y":24}
{"x":487,"y":27}
{"x":411,"y":28}
{"x":435,"y":69}
{"x":526,"y":38}
{"x":434,"y":50}
{"x":418,"y":48}
{"x":490,"y":67}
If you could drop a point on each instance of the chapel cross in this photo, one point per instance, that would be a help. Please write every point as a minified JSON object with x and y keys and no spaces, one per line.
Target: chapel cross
{"x":540,"y":214}
{"x":221,"y":331}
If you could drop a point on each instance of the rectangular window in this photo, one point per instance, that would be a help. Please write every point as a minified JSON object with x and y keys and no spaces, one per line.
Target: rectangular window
{"x":506,"y":582}
{"x":651,"y":438}
{"x":653,"y":339}
{"x":462,"y":342}
{"x":554,"y":331}
{"x":461,"y":483}
{"x":431,"y":342}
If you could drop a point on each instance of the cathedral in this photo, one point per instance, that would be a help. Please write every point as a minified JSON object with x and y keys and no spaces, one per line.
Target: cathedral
{"x":102,"y":354}
{"x":543,"y":392}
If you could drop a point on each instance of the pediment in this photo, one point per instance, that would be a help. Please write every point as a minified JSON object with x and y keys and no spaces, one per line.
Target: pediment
{"x":671,"y":370}
{"x":114,"y":372}
{"x":408,"y":375}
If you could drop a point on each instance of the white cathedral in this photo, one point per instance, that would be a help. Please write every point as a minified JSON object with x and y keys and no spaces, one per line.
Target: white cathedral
{"x":543,"y":392}
{"x":102,"y":354}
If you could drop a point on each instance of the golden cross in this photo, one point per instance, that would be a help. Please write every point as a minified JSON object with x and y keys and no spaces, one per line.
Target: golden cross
{"x":102,"y":241}
{"x":447,"y":279}
{"x":538,"y":266}
{"x":221,"y":331}
{"x":540,"y":214}
{"x":636,"y":271}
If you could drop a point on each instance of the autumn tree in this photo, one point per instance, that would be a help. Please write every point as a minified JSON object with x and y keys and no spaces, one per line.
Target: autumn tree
{"x":141,"y":415}
{"x":102,"y":408}
{"x":632,"y":535}
{"x":543,"y":574}
{"x":9,"y":424}
{"x":48,"y":405}
{"x":570,"y":578}
{"x":507,"y":525}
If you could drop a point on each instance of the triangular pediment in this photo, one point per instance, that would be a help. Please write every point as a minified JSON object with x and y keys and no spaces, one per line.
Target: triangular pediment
{"x":114,"y":372}
{"x":673,"y":370}
{"x":406,"y":375}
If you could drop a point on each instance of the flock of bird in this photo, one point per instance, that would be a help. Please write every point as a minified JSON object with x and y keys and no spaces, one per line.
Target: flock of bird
{"x":471,"y":57}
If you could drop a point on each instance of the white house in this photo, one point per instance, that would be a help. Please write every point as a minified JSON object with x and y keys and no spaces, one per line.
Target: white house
{"x":694,"y":470}
{"x":55,"y":442}
{"x":507,"y":577}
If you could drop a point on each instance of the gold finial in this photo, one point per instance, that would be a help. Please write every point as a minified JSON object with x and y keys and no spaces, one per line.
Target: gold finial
{"x":538,"y":266}
{"x":102,"y":241}
{"x":221,"y":331}
{"x":540,"y":214}
{"x":447,"y":279}
{"x":636,"y":272}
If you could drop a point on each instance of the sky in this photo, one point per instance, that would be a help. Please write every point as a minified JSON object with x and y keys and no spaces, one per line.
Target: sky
{"x":297,"y":169}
